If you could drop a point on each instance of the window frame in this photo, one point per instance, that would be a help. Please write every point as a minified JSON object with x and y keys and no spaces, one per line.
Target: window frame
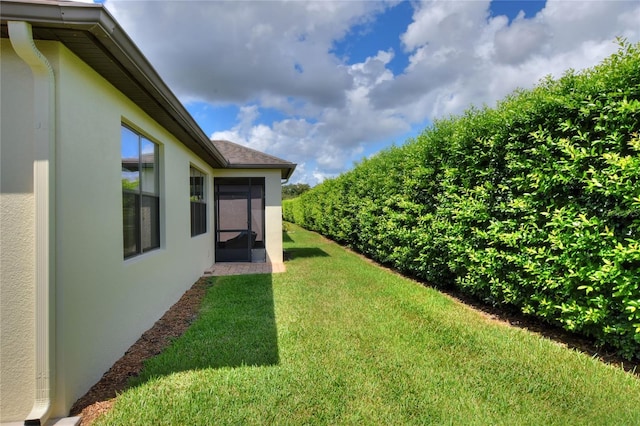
{"x":198,"y":202}
{"x":141,"y":224}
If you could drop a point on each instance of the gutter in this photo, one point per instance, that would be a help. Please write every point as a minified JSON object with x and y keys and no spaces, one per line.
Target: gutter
{"x":21,"y":36}
{"x":111,"y":42}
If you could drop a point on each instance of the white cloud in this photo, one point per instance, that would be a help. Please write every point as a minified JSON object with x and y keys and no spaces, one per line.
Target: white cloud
{"x":278,"y":55}
{"x":243,"y":51}
{"x":516,"y":43}
{"x":461,"y":56}
{"x":445,"y":23}
{"x":373,"y":70}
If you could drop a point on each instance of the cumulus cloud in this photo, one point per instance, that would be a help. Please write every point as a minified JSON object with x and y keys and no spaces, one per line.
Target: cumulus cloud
{"x":516,"y":43}
{"x":274,"y":55}
{"x":239,"y":52}
{"x":460,"y":55}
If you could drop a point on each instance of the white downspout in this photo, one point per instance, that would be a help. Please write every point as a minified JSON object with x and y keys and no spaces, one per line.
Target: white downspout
{"x":21,"y":37}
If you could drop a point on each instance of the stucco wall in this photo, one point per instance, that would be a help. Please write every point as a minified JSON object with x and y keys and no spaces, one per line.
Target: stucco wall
{"x":104,"y":303}
{"x":273,"y":207}
{"x":16,"y":238}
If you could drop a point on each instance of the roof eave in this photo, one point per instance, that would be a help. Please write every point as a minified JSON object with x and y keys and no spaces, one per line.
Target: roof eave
{"x":96,"y":20}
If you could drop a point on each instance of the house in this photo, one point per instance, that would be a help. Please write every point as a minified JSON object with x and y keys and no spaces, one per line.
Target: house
{"x":113,"y":202}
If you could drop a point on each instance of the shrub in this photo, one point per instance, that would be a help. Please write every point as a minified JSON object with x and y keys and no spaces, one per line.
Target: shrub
{"x":533,"y":204}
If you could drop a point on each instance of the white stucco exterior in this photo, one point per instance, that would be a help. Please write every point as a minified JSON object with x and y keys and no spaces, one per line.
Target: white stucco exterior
{"x":93,"y":280}
{"x":16,"y":237}
{"x":103,"y":303}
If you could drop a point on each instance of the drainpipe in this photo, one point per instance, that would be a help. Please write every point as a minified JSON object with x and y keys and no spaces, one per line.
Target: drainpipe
{"x":21,"y":37}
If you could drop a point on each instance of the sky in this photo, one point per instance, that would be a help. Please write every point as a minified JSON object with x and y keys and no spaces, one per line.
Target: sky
{"x":325,"y":84}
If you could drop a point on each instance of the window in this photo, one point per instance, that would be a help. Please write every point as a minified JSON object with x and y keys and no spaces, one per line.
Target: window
{"x":198,"y":202}
{"x":140,"y":193}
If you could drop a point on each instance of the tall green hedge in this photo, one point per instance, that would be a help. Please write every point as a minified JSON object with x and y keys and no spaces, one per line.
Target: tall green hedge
{"x":533,"y":204}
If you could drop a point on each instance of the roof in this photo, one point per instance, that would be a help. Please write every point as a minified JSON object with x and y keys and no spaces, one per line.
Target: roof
{"x":241,"y":157}
{"x":91,"y":33}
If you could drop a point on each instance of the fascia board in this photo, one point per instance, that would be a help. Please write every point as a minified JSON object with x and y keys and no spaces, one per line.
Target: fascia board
{"x":286,"y":169}
{"x":96,"y":20}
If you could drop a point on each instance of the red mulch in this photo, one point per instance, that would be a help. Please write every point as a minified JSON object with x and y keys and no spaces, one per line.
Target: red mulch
{"x":173,"y":324}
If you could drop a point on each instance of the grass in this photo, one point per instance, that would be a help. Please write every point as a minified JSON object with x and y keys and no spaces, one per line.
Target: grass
{"x":337,"y":340}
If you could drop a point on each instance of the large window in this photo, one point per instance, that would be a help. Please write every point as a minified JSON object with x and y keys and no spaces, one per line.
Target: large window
{"x":198,"y":202}
{"x":140,"y":193}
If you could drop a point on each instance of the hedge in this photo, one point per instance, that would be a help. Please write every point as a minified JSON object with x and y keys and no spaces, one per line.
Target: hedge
{"x":533,"y":204}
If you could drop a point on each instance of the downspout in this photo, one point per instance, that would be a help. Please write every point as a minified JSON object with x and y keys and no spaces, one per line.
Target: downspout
{"x":21,"y":36}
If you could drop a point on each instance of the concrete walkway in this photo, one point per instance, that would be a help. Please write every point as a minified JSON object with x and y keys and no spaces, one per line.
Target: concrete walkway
{"x":243,"y":268}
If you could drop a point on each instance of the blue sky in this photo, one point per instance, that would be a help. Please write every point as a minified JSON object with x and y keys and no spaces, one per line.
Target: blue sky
{"x":324,"y":84}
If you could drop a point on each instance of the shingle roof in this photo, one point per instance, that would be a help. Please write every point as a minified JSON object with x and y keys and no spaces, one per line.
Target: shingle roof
{"x":241,"y":157}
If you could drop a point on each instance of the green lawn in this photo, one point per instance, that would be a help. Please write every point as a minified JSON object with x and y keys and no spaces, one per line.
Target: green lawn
{"x":338,"y":340}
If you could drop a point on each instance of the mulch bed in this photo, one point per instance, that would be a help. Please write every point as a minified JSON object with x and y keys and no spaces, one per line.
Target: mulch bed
{"x":173,"y":324}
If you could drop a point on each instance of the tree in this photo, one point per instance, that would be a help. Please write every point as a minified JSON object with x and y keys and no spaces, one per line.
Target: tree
{"x":294,"y":190}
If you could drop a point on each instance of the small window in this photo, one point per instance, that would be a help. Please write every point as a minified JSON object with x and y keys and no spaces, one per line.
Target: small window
{"x":140,"y":193}
{"x":198,"y":202}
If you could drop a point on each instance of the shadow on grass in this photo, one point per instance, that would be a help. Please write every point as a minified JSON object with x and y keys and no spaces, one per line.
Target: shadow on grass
{"x":286,"y":237}
{"x":303,"y":252}
{"x":236,"y":327}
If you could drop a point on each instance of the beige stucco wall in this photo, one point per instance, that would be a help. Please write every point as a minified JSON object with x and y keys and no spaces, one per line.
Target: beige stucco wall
{"x":16,"y":238}
{"x":273,"y":207}
{"x":104,"y":303}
